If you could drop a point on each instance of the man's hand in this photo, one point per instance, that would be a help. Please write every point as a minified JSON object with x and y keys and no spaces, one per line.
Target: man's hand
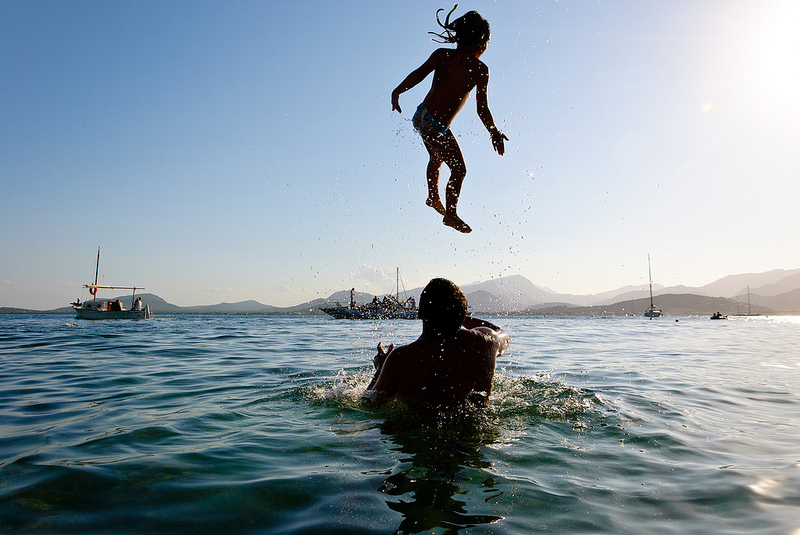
{"x":380,"y":358}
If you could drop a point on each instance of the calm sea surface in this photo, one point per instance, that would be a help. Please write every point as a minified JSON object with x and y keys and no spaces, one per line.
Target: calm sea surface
{"x":252,"y":424}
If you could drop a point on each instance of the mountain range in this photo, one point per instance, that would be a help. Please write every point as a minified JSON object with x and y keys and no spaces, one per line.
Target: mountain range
{"x":771,"y":292}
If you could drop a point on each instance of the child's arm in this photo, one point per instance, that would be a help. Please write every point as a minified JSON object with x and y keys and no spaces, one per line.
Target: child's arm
{"x":482,"y":99}
{"x":414,"y":78}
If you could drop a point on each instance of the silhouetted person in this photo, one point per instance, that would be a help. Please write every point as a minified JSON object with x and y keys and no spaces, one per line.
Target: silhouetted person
{"x":452,"y":362}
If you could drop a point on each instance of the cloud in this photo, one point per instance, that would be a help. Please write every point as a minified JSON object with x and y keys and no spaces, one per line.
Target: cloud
{"x":375,"y":279}
{"x":217,"y":290}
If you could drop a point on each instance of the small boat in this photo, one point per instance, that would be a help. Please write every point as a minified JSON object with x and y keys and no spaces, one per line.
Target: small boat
{"x":652,"y":311}
{"x":719,"y":316}
{"x":102,"y":309}
{"x":388,"y":308}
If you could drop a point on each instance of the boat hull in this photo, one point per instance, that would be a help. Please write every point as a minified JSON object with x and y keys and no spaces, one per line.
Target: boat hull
{"x":653,"y":312}
{"x":348,"y":313}
{"x":90,"y":314}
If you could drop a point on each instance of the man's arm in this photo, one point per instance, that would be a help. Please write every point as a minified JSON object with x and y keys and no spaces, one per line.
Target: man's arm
{"x":482,"y":100}
{"x":414,"y":78}
{"x":384,"y":383}
{"x":378,"y":361}
{"x":500,"y":338}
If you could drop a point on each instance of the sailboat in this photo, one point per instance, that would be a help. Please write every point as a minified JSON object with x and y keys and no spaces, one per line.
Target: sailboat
{"x":390,"y":307}
{"x":101,"y":309}
{"x":749,"y":310}
{"x":652,"y":311}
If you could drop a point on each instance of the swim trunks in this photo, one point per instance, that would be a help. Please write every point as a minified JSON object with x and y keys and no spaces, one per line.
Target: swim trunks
{"x":426,"y":124}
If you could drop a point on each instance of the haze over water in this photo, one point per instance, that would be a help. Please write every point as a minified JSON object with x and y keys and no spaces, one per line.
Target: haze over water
{"x":235,"y":424}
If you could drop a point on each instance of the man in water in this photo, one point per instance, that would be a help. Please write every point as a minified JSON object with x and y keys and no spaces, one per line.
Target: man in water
{"x":452,"y":362}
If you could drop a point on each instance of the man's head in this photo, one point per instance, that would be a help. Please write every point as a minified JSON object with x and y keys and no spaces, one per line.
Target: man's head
{"x":442,"y":307}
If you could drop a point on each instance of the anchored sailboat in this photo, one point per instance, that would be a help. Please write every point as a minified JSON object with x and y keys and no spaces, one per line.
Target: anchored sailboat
{"x":652,"y":311}
{"x":749,"y":310}
{"x":99,"y":309}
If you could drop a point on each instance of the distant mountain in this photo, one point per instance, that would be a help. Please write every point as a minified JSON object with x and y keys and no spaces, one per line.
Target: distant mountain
{"x":343,"y":297}
{"x":671,"y":304}
{"x":786,"y":302}
{"x":512,"y":293}
{"x":631,"y":293}
{"x":483,"y":302}
{"x":14,"y":310}
{"x":734,"y":285}
{"x":242,"y":307}
{"x":772,"y":291}
{"x":786,"y":284}
{"x":781,"y":293}
{"x":247,"y":307}
{"x":620,"y":294}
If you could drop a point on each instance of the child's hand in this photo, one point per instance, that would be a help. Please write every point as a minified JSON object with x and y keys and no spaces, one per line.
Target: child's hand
{"x":396,"y":102}
{"x":497,"y":141}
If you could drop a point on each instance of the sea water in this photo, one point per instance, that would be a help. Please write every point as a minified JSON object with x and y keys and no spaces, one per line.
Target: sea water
{"x":252,"y":424}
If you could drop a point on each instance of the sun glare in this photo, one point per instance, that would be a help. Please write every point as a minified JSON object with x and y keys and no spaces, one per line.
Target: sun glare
{"x":780,"y":56}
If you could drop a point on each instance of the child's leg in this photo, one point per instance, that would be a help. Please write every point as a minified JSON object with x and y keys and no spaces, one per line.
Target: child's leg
{"x":434,"y":164}
{"x":446,"y":148}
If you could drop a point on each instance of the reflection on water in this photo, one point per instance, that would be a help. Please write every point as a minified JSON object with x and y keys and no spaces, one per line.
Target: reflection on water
{"x":442,"y":478}
{"x":440,"y":469}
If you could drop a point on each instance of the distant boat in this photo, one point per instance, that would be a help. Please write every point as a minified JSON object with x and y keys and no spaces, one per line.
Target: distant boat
{"x":100,"y":309}
{"x":749,"y":310}
{"x":390,"y":307}
{"x":719,"y":316}
{"x":652,"y":311}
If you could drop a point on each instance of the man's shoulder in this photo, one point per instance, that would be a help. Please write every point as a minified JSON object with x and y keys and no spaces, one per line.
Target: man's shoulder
{"x":404,"y":351}
{"x":477,"y":334}
{"x":488,"y":336}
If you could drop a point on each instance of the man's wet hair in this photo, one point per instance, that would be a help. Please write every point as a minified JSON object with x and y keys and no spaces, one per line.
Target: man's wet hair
{"x":442,"y":307}
{"x":468,"y":29}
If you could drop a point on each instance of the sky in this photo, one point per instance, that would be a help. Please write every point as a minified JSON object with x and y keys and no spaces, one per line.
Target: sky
{"x":225,"y":151}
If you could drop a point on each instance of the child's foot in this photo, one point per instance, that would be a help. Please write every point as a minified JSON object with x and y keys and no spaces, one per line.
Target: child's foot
{"x":436,"y":204}
{"x":457,"y":223}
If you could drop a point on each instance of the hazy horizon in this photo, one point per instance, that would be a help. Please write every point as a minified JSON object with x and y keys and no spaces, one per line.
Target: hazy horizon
{"x":612,"y":292}
{"x":226,"y":152}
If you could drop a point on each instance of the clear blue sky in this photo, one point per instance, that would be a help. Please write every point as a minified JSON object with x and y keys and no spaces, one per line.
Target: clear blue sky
{"x":223,"y":151}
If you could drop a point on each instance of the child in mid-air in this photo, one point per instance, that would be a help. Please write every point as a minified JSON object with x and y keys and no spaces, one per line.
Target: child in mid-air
{"x":455,"y":73}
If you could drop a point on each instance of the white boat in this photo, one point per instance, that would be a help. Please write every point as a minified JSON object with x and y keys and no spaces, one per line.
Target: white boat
{"x":110,"y":309}
{"x":652,"y":311}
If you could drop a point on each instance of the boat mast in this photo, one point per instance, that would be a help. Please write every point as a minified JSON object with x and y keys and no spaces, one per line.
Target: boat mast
{"x":397,"y":295}
{"x":97,"y":268}
{"x":650,"y":275}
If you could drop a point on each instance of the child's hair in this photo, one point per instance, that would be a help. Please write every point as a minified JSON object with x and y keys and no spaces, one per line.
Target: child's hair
{"x":468,"y":29}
